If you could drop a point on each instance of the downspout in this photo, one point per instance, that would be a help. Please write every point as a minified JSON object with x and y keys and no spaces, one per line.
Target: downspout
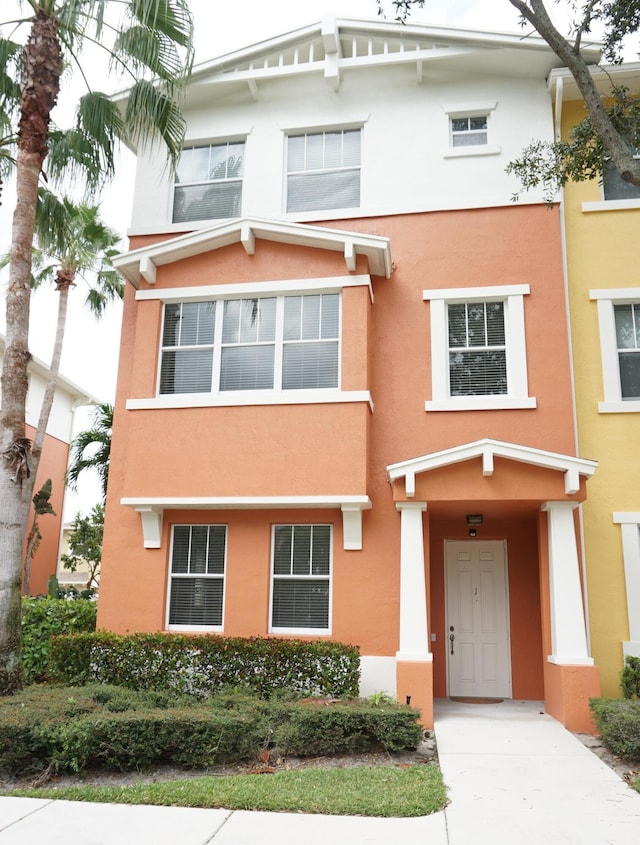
{"x":559,"y":95}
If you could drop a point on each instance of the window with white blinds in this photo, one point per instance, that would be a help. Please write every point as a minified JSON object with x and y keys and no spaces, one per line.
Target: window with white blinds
{"x":267,"y":343}
{"x":301,"y":577}
{"x":196,"y":578}
{"x":209,"y":182}
{"x":627,"y":320}
{"x":477,"y":349}
{"x":323,"y":170}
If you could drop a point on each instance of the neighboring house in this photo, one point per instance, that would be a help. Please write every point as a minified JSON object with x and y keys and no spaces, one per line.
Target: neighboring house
{"x":53,"y":462}
{"x":344,"y":402}
{"x":602,"y":225}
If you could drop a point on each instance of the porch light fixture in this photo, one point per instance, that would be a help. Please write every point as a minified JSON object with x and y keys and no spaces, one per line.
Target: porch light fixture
{"x":474,"y":519}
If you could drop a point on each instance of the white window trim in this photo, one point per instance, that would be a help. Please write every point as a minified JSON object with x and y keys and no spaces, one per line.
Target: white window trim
{"x":610,"y":205}
{"x":518,"y":395}
{"x":198,"y":628}
{"x":320,"y":632}
{"x":473,"y":109}
{"x":606,"y":299}
{"x":630,"y":525}
{"x":331,"y":284}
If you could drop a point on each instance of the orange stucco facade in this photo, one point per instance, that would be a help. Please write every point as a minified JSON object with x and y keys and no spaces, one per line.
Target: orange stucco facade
{"x":271,"y":455}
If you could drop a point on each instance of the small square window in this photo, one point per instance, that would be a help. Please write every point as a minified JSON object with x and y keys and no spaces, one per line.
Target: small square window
{"x":469,"y":131}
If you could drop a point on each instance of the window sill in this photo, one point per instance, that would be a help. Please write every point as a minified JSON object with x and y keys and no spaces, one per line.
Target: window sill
{"x":481,"y":403}
{"x":249,"y":397}
{"x":611,"y":205}
{"x":479,"y":150}
{"x":196,"y":629}
{"x":631,"y":407}
{"x":302,"y":632}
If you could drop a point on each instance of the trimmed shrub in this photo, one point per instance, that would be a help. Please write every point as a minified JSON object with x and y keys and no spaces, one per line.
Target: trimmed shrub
{"x":202,"y":665}
{"x":618,"y":721}
{"x":44,"y":617}
{"x":74,"y":728}
{"x":630,"y":678}
{"x":311,"y":729}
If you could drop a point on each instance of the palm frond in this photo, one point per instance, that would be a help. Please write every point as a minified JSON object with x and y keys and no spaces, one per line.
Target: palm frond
{"x":150,"y":111}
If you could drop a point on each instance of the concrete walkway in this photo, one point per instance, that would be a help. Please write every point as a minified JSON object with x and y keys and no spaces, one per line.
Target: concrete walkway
{"x":515,"y":776}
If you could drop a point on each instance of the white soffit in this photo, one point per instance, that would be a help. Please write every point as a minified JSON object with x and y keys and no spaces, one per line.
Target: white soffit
{"x":142,"y":263}
{"x":488,"y":449}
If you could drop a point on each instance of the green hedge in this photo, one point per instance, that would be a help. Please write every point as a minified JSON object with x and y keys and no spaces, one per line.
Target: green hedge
{"x":74,"y":728}
{"x":630,"y":677}
{"x":317,"y":729}
{"x":203,"y":665}
{"x":44,"y":617}
{"x":618,"y":721}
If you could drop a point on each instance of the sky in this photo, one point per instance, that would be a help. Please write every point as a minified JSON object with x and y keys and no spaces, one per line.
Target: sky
{"x":90,"y":353}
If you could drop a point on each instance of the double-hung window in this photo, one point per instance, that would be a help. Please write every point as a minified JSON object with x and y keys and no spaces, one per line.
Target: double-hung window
{"x":196,"y":579}
{"x":208,"y":182}
{"x":301,"y":578}
{"x":478,"y":351}
{"x":323,"y":170}
{"x":265,"y":343}
{"x":619,"y":323}
{"x":468,"y":131}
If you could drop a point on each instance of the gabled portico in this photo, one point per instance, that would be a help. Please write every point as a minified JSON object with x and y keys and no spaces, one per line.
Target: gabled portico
{"x":527,"y":498}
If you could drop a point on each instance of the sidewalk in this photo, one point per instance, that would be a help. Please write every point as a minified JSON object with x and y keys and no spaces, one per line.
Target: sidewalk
{"x":516,"y":777}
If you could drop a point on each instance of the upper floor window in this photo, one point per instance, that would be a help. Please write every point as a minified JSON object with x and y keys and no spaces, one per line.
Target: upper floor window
{"x":619,"y":323}
{"x":196,"y":578}
{"x":323,"y":170}
{"x":209,"y":182}
{"x":478,"y":350}
{"x":468,"y":131}
{"x":615,"y":187}
{"x":266,"y":343}
{"x":300,"y":589}
{"x":627,"y":319}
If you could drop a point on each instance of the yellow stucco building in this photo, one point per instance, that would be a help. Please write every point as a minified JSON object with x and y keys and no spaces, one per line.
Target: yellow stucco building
{"x":602,"y":236}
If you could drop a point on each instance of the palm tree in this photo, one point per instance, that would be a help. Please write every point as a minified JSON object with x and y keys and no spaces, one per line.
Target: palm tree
{"x":154,"y":45}
{"x":91,"y":449}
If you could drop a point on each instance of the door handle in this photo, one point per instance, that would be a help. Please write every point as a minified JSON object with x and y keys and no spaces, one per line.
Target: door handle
{"x":452,"y":637}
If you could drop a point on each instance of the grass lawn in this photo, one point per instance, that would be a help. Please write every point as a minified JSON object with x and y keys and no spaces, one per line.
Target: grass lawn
{"x":392,"y":791}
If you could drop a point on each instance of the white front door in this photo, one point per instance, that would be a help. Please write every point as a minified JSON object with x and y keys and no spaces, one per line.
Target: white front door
{"x":477,"y":626}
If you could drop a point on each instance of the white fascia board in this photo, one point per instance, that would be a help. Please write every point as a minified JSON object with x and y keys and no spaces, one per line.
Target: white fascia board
{"x":376,"y":248}
{"x":328,"y":284}
{"x":605,"y":76}
{"x":151,"y":510}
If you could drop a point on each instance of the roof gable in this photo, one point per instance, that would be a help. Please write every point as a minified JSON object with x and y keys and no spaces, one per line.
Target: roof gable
{"x":143,"y":262}
{"x":488,"y":449}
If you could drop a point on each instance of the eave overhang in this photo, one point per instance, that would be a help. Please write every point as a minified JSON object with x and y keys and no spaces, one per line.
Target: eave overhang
{"x":151,"y":510}
{"x":487,"y":450}
{"x":142,"y":263}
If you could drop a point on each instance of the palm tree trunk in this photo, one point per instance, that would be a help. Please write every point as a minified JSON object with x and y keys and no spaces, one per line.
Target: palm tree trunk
{"x":39,"y":89}
{"x":64,"y":282}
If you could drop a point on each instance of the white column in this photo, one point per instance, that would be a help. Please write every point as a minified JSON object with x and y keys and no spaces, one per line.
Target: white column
{"x":414,"y":628}
{"x":568,"y":631}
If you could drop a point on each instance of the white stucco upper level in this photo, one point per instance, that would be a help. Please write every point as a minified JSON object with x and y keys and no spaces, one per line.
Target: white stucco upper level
{"x":402,"y":86}
{"x":68,"y":397}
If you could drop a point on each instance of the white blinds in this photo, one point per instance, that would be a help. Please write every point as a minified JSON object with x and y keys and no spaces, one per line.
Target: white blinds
{"x":301,"y":569}
{"x":477,"y":350}
{"x":323,"y":170}
{"x":197,"y":575}
{"x":286,"y":342}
